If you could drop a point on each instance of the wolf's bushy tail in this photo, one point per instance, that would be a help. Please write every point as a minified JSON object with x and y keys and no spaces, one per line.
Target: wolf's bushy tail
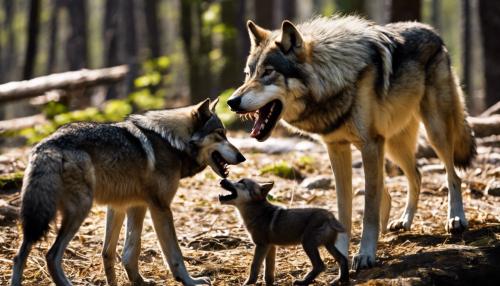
{"x":41,"y":185}
{"x":464,"y":144}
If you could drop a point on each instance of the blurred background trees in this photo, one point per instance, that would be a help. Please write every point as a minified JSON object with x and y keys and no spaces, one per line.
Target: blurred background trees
{"x":181,"y":51}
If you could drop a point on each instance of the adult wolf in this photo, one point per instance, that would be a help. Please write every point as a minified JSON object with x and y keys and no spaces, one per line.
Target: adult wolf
{"x":130,"y":166}
{"x":353,"y":82}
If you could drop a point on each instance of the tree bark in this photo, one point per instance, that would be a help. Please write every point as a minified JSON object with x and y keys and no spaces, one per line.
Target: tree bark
{"x":407,"y":10}
{"x":110,"y":35}
{"x":466,"y":53}
{"x":154,"y":35}
{"x":130,"y":37}
{"x":32,"y":34}
{"x":264,"y":13}
{"x":490,"y":25}
{"x":76,"y":44}
{"x":54,"y":29}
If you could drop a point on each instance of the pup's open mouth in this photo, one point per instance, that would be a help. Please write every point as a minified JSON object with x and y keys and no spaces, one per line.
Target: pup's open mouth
{"x":220,"y":164}
{"x":226,"y":185}
{"x":267,"y":117}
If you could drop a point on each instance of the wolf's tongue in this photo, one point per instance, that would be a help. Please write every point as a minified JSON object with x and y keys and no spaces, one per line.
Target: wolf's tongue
{"x":260,"y":121}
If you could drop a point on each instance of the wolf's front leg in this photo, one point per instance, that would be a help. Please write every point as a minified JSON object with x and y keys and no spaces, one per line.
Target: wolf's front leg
{"x":164,"y":226}
{"x":372,"y":154}
{"x":258,"y":257}
{"x":270,"y":266}
{"x":341,"y":161}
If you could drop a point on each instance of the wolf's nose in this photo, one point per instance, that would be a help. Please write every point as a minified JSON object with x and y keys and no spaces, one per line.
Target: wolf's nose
{"x":234,"y":103}
{"x":240,"y":158}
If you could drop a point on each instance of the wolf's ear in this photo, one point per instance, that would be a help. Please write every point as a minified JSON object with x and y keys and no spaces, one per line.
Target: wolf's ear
{"x":203,"y":109}
{"x":266,"y":187}
{"x":291,"y":39}
{"x":213,"y":105}
{"x":256,"y":33}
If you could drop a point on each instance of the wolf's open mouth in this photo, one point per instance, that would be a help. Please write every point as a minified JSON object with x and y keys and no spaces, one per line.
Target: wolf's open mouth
{"x":220,"y":164}
{"x":267,"y":117}
{"x":226,"y":185}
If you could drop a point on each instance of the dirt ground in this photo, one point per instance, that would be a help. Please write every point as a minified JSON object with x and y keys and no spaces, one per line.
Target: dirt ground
{"x":215,"y":244}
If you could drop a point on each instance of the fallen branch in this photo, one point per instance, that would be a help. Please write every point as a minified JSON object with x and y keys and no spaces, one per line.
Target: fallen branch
{"x":18,"y":90}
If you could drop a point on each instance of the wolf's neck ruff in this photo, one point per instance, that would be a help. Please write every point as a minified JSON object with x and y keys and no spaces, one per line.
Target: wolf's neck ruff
{"x":327,"y":115}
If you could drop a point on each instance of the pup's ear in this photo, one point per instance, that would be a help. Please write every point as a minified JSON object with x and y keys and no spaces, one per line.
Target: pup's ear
{"x":256,"y":33}
{"x":214,"y":104}
{"x":291,"y":39}
{"x":266,"y":187}
{"x":203,"y":110}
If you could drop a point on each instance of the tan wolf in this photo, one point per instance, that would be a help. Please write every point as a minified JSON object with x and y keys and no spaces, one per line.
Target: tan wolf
{"x":350,"y":81}
{"x":130,"y":166}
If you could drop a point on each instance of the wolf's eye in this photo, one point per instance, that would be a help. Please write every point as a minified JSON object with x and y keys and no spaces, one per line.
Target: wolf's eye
{"x":268,"y":72}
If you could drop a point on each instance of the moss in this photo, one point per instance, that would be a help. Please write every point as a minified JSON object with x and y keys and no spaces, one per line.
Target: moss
{"x":11,"y":181}
{"x":282,"y":169}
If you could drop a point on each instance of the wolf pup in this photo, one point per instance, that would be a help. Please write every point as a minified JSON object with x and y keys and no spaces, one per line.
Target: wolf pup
{"x":130,"y":166}
{"x":349,"y":81}
{"x":270,"y":225}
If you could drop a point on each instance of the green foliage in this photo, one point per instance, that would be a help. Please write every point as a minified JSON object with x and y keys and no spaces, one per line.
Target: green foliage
{"x":225,"y":114}
{"x":281,"y":169}
{"x":11,"y":181}
{"x":53,"y":108}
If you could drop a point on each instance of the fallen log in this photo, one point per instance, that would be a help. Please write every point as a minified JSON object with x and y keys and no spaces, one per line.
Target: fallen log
{"x":18,"y":90}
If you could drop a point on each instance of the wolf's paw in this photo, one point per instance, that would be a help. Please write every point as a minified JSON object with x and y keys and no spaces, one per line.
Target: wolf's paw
{"x":302,"y":282}
{"x":197,"y":281}
{"x":399,"y":224}
{"x":362,"y":260}
{"x":339,"y":282}
{"x":456,"y":225}
{"x":144,"y":282}
{"x":250,"y":281}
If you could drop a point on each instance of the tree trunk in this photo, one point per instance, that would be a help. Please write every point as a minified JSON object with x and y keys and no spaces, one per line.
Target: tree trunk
{"x":490,"y":25}
{"x":197,"y":46}
{"x":8,"y":59}
{"x":130,"y":37}
{"x":54,"y":28}
{"x":466,"y":53}
{"x":264,"y":12}
{"x":352,"y":6}
{"x":436,"y":14}
{"x":407,"y":10}
{"x":154,"y":35}
{"x":232,"y":70}
{"x":32,"y":33}
{"x":76,"y":44}
{"x":110,"y":35}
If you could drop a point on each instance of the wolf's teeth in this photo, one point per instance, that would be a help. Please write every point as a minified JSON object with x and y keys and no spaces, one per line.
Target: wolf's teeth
{"x":267,"y":120}
{"x":262,"y":126}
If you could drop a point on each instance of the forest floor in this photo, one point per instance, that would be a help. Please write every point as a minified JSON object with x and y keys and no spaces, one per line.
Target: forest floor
{"x":215,"y":243}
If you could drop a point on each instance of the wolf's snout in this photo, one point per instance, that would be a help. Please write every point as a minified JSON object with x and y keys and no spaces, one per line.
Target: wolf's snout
{"x":234,"y":103}
{"x":240,"y":158}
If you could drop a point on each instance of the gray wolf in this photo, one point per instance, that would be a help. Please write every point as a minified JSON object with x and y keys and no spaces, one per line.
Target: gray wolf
{"x":130,"y":166}
{"x":270,"y":225}
{"x":349,"y":81}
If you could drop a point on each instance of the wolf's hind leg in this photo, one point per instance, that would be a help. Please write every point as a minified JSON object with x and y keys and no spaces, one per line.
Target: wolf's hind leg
{"x":74,"y":212}
{"x":401,"y":150}
{"x":132,"y":247}
{"x":343,"y":276}
{"x":441,"y":138}
{"x":114,"y":221}
{"x":311,"y":248}
{"x":20,"y":262}
{"x":341,"y":161}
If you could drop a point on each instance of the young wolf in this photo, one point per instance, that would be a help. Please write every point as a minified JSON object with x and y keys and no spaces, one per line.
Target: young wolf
{"x":349,"y":81}
{"x":270,"y":225}
{"x":130,"y":166}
